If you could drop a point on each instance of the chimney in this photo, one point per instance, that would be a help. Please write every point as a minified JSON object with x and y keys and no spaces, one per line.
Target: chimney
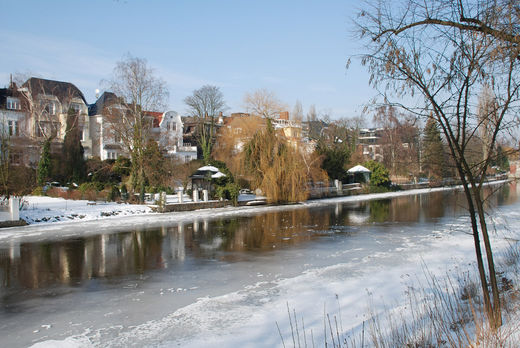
{"x":284,"y":115}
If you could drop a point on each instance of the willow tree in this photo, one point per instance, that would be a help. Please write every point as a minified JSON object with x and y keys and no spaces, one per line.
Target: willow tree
{"x":276,"y":167}
{"x":435,"y":58}
{"x":230,"y":142}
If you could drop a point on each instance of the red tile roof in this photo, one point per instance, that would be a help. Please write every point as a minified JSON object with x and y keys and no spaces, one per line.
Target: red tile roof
{"x":157,"y":117}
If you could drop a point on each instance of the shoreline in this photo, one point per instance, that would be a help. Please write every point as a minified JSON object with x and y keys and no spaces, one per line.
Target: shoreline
{"x":114,"y":224}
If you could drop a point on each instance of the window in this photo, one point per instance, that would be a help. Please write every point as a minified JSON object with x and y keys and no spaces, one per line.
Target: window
{"x":112,"y":155}
{"x":76,"y":107}
{"x":13,"y":128}
{"x":13,"y":103}
{"x":15,"y":158}
{"x":46,"y":129}
{"x":50,"y":108}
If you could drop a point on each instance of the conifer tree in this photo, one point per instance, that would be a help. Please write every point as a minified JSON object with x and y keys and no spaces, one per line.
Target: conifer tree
{"x":73,"y":152}
{"x":44,"y":165}
{"x":433,"y":150}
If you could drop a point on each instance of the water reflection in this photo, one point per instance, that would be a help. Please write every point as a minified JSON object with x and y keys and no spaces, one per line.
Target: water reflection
{"x":75,"y":261}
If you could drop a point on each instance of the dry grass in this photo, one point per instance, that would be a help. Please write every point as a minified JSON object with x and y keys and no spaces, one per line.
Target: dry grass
{"x":444,"y":312}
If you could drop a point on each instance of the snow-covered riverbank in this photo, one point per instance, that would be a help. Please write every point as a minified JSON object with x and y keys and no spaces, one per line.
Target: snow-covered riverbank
{"x":345,"y":272}
{"x":56,"y":218}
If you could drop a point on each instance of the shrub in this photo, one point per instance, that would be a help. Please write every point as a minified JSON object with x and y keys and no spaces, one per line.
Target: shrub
{"x":22,"y":180}
{"x":55,"y":192}
{"x":73,"y":194}
{"x":379,"y":175}
{"x":114,"y":194}
{"x":88,"y":186}
{"x":151,"y":189}
{"x":124,"y":192}
{"x":38,"y":191}
{"x":230,"y":191}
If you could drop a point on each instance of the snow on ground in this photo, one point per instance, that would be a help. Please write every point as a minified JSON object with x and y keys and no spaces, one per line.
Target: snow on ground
{"x":57,"y":217}
{"x":378,"y":279}
{"x":346,"y":288}
{"x":42,"y":209}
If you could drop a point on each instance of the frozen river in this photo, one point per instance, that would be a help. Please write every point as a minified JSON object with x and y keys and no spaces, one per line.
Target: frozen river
{"x":228,"y":280}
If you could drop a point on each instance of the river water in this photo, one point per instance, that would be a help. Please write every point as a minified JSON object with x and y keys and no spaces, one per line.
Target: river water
{"x":228,"y":280}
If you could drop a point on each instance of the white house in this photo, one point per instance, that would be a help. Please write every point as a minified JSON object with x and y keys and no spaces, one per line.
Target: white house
{"x":169,"y":132}
{"x":165,"y":127}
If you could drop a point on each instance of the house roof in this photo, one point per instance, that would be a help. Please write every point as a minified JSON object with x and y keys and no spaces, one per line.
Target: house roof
{"x":106,"y":99}
{"x":157,"y":117}
{"x":62,"y":90}
{"x":4,"y":93}
{"x":208,"y":168}
{"x":9,"y":92}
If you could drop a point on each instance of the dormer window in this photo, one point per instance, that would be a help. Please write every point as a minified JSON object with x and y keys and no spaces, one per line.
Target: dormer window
{"x":13,"y":103}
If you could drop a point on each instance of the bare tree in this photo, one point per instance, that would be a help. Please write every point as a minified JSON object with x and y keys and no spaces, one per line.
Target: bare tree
{"x":5,"y":147}
{"x":497,"y":19}
{"x":312,"y":115}
{"x":263,"y":103}
{"x":438,"y":55}
{"x":400,"y":140}
{"x":297,"y":114}
{"x":139,"y":90}
{"x":206,"y":103}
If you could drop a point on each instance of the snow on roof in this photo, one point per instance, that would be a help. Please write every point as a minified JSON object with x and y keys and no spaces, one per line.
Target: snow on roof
{"x":208,"y":168}
{"x":358,"y":169}
{"x":218,"y":175}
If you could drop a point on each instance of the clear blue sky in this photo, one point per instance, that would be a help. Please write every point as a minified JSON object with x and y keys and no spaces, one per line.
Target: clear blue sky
{"x":297,"y":49}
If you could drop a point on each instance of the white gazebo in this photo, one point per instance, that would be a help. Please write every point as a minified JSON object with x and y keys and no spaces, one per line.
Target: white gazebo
{"x":360,"y":171}
{"x":200,"y":180}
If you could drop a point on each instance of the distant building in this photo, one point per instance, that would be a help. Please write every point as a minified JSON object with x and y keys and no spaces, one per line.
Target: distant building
{"x":168,"y":131}
{"x":106,"y":144}
{"x":369,"y":141}
{"x":48,"y":103}
{"x":37,"y":111}
{"x":13,"y":123}
{"x":108,"y":136}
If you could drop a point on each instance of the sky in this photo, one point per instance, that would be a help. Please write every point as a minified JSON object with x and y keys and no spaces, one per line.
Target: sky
{"x":296,"y":49}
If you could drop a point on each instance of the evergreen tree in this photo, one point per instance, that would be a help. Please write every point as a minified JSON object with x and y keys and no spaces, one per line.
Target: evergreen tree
{"x":379,"y":174}
{"x":44,"y":166}
{"x":335,"y":158}
{"x":73,"y":152}
{"x":500,"y":160}
{"x":433,"y":150}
